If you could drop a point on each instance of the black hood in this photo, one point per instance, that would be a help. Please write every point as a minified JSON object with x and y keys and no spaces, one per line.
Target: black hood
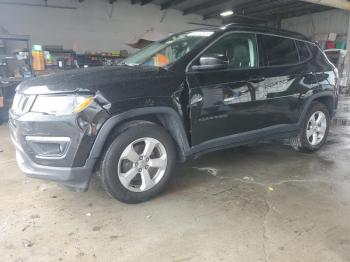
{"x":122,"y":80}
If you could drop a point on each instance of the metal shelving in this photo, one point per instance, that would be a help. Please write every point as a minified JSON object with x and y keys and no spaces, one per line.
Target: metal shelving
{"x":11,"y":66}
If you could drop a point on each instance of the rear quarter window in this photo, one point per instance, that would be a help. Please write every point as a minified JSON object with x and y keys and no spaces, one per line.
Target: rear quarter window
{"x":278,"y":51}
{"x":304,"y":51}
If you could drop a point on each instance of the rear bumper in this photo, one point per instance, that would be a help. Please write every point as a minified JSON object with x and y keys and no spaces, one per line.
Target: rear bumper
{"x":75,"y":178}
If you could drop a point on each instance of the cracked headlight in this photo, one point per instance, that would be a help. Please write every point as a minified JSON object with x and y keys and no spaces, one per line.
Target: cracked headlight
{"x":60,"y":104}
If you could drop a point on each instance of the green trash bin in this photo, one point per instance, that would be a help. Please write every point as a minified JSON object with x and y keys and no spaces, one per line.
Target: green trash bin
{"x":341,"y":45}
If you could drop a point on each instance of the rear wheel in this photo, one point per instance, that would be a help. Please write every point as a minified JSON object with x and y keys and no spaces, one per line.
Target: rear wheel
{"x":315,"y":129}
{"x":138,"y":164}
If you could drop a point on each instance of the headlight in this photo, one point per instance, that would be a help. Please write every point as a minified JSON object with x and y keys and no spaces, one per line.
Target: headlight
{"x":60,"y":104}
{"x":22,"y":103}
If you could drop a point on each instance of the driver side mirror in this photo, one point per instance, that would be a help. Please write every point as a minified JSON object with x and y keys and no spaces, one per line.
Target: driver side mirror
{"x":211,"y":62}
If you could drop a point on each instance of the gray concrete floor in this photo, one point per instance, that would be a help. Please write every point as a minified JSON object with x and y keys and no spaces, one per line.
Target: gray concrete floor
{"x":262,"y":203}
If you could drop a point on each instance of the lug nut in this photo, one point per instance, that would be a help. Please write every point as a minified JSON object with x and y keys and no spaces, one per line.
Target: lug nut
{"x":147,"y":159}
{"x":141,"y":157}
{"x":146,"y":167}
{"x":140,"y":169}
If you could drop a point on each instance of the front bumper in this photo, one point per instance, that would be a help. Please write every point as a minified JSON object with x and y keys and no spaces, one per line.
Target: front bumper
{"x":75,"y":178}
{"x":75,"y":167}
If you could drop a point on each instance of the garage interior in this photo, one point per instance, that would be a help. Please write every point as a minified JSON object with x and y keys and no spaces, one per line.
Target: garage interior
{"x":263,"y":202}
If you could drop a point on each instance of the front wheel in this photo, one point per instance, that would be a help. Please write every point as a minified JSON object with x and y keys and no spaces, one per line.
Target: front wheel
{"x":314,"y":131}
{"x":138,"y":164}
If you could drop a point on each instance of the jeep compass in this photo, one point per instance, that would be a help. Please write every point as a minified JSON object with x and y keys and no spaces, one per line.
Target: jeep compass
{"x":189,"y":94}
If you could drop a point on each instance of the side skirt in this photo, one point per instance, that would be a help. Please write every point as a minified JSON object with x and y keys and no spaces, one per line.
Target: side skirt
{"x":250,"y":137}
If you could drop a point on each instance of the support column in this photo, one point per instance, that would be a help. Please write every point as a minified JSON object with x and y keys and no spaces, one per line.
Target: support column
{"x":347,"y":58}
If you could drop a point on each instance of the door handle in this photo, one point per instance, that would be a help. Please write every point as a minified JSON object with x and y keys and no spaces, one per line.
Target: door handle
{"x":196,"y":99}
{"x":229,"y":100}
{"x":244,"y":92}
{"x":235,"y":96}
{"x":256,"y":79}
{"x":306,"y":74}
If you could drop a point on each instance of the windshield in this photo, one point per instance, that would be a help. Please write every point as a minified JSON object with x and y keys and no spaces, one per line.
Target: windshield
{"x":167,"y":51}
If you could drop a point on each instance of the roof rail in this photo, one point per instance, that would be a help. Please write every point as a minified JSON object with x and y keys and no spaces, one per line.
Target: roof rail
{"x":266,"y":28}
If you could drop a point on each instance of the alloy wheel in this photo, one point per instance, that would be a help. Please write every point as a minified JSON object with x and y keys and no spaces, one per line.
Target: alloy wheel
{"x":316,"y":128}
{"x":142,"y":164}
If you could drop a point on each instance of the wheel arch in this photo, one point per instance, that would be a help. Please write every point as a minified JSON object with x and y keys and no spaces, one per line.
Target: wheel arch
{"x":328,"y":101}
{"x":165,"y":116}
{"x":326,"y":98}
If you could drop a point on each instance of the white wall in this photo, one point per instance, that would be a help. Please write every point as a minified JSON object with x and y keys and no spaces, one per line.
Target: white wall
{"x":319,"y":23}
{"x":95,"y":25}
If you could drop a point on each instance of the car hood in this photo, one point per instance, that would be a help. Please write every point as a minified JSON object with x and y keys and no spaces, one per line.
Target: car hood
{"x":106,"y":80}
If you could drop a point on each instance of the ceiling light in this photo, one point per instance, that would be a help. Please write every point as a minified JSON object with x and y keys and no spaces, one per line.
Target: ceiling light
{"x":226,"y":13}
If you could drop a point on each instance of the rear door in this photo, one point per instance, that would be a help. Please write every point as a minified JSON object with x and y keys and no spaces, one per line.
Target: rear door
{"x":284,"y":63}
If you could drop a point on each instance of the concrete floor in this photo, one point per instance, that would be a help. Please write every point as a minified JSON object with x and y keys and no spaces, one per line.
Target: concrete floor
{"x":262,"y":203}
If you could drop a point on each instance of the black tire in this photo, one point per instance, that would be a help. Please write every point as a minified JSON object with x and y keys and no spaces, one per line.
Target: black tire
{"x":109,"y":165}
{"x":301,"y":142}
{"x":4,"y":114}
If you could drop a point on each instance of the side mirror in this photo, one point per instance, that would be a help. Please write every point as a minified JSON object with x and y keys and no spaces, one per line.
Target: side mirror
{"x":211,"y":62}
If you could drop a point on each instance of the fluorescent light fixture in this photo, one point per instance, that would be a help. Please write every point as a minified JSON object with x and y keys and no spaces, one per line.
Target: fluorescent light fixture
{"x":226,"y":13}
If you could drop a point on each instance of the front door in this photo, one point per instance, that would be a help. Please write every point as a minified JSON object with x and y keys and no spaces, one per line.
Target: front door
{"x":223,"y":102}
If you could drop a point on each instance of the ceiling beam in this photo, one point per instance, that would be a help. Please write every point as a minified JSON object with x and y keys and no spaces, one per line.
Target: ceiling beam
{"x":247,"y":17}
{"x":340,"y":4}
{"x":205,"y":5}
{"x":304,"y":11}
{"x":171,"y":3}
{"x":262,"y":5}
{"x":145,"y":2}
{"x":238,"y":9}
{"x":37,"y":5}
{"x":276,"y":8}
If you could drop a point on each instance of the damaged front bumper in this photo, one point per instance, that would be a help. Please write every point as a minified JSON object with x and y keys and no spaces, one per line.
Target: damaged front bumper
{"x":57,"y":148}
{"x":75,"y":178}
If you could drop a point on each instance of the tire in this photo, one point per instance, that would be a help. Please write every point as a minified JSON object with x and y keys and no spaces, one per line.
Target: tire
{"x":120,"y":164}
{"x":306,"y":141}
{"x":3,"y":115}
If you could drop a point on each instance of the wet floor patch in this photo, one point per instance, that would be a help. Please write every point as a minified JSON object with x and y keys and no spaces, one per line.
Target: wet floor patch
{"x":346,"y":108}
{"x":342,"y":117}
{"x":341,"y":122}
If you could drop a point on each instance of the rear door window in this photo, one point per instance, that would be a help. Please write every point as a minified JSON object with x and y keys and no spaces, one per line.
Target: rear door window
{"x":277,"y":51}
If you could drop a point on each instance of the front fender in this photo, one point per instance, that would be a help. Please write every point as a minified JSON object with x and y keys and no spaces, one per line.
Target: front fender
{"x":168,"y":116}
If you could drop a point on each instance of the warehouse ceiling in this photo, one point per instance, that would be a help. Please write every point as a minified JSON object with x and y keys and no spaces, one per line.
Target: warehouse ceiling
{"x":247,"y":11}
{"x":244,"y":10}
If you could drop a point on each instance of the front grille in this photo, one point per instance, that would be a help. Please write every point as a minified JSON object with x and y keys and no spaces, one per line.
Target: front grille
{"x":22,"y":103}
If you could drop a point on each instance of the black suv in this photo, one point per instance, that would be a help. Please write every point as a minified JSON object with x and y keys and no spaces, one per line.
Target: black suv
{"x":192,"y":93}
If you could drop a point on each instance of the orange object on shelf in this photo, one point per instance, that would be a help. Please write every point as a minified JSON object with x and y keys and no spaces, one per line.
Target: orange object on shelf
{"x":1,"y":101}
{"x":161,"y":60}
{"x":38,"y":60}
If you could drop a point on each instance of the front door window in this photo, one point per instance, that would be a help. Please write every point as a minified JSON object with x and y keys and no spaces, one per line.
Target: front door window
{"x":239,"y":50}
